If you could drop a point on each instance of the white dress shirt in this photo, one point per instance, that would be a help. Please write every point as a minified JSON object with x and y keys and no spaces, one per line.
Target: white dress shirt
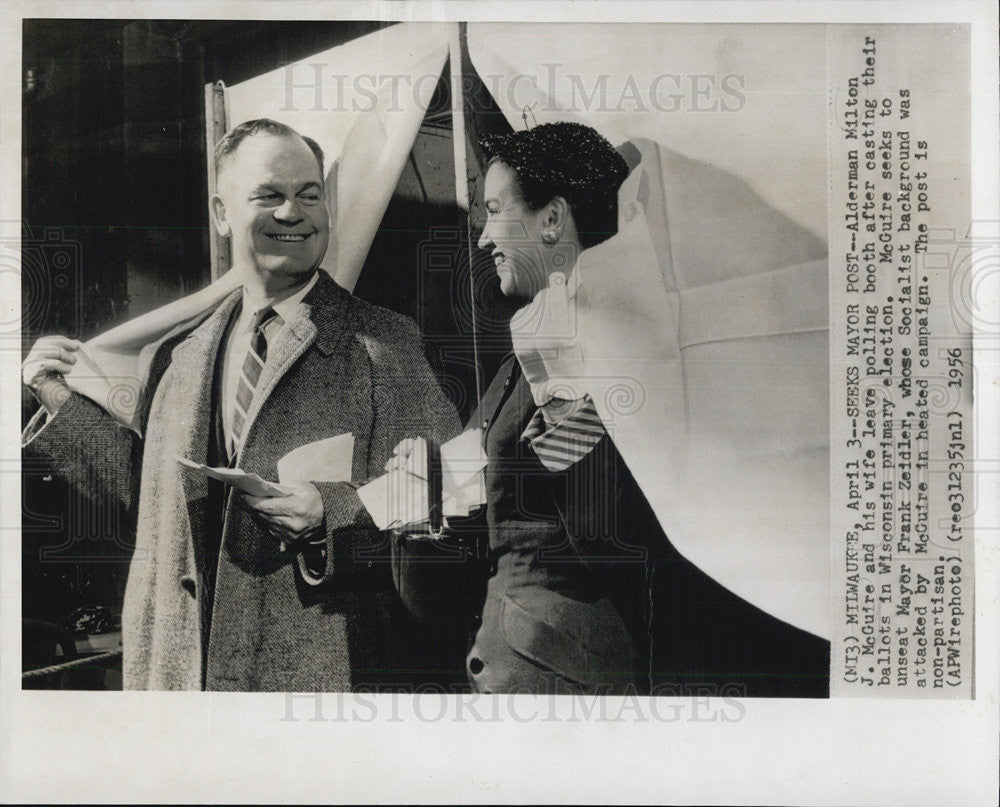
{"x":238,"y":345}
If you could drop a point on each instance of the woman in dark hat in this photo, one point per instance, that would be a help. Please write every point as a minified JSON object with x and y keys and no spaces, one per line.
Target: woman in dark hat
{"x":572,"y":542}
{"x":586,"y":593}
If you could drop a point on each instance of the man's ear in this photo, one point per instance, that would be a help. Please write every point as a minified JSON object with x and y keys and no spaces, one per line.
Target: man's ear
{"x":217,"y":209}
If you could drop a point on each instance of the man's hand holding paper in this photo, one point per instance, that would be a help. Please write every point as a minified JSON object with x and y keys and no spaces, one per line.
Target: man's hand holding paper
{"x":292,"y":518}
{"x":292,"y":509}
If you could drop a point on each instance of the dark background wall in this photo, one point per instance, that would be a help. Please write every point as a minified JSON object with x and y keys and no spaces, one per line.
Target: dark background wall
{"x":114,"y":205}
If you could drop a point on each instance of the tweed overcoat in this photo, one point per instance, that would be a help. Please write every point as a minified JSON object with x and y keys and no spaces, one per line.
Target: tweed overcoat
{"x":339,"y":365}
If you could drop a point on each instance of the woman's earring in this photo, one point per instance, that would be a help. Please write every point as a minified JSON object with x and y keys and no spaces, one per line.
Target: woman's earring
{"x":550,"y":236}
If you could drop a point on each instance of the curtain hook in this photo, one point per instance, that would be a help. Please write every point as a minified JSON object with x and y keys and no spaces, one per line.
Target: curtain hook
{"x":525,"y":111}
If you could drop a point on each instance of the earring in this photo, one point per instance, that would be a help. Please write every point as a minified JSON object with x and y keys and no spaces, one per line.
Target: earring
{"x":550,"y":236}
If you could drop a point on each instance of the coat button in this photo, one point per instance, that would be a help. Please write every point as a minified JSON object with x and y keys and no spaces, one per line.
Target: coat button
{"x":486,"y":423}
{"x":188,"y":584}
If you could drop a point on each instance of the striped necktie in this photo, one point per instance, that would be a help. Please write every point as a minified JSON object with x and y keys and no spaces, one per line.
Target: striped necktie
{"x":252,"y":366}
{"x":570,"y":439}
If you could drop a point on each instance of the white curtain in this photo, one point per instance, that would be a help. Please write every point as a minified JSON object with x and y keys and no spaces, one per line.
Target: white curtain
{"x":720,"y":94}
{"x":701,"y":329}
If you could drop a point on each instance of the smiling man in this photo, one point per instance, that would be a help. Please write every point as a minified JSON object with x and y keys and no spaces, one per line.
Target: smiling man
{"x":233,"y":592}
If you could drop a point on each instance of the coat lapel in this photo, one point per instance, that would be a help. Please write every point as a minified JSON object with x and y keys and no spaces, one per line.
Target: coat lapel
{"x":318,"y":319}
{"x":191,"y":387}
{"x":486,"y":415}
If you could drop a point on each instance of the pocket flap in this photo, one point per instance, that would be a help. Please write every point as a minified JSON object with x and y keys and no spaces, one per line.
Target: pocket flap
{"x":584,"y":642}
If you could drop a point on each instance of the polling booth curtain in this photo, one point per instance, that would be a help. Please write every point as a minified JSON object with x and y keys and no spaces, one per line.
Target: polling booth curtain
{"x":701,"y":329}
{"x":363,"y":102}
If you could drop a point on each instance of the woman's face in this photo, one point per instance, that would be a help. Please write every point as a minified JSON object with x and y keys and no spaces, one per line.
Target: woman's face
{"x":513,"y":234}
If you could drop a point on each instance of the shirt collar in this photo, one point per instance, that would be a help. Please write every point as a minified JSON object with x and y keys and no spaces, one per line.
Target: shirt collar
{"x":546,"y":339}
{"x":285,"y":309}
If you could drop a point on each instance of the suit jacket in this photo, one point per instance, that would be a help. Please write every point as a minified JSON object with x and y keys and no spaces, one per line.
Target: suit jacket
{"x":339,"y":365}
{"x":566,"y":607}
{"x":588,"y":592}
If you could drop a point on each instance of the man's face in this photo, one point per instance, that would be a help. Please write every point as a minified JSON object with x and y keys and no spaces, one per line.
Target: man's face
{"x":271,"y":202}
{"x":513,"y":234}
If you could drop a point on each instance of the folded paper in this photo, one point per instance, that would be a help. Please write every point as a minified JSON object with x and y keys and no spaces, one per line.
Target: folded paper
{"x":251,"y":484}
{"x":328,"y":460}
{"x":399,"y":498}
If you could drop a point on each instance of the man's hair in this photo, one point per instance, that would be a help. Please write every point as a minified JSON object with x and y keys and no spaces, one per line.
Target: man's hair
{"x":568,"y":160}
{"x":231,"y":140}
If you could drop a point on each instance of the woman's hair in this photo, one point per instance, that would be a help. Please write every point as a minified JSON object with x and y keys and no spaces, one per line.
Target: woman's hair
{"x":568,"y":160}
